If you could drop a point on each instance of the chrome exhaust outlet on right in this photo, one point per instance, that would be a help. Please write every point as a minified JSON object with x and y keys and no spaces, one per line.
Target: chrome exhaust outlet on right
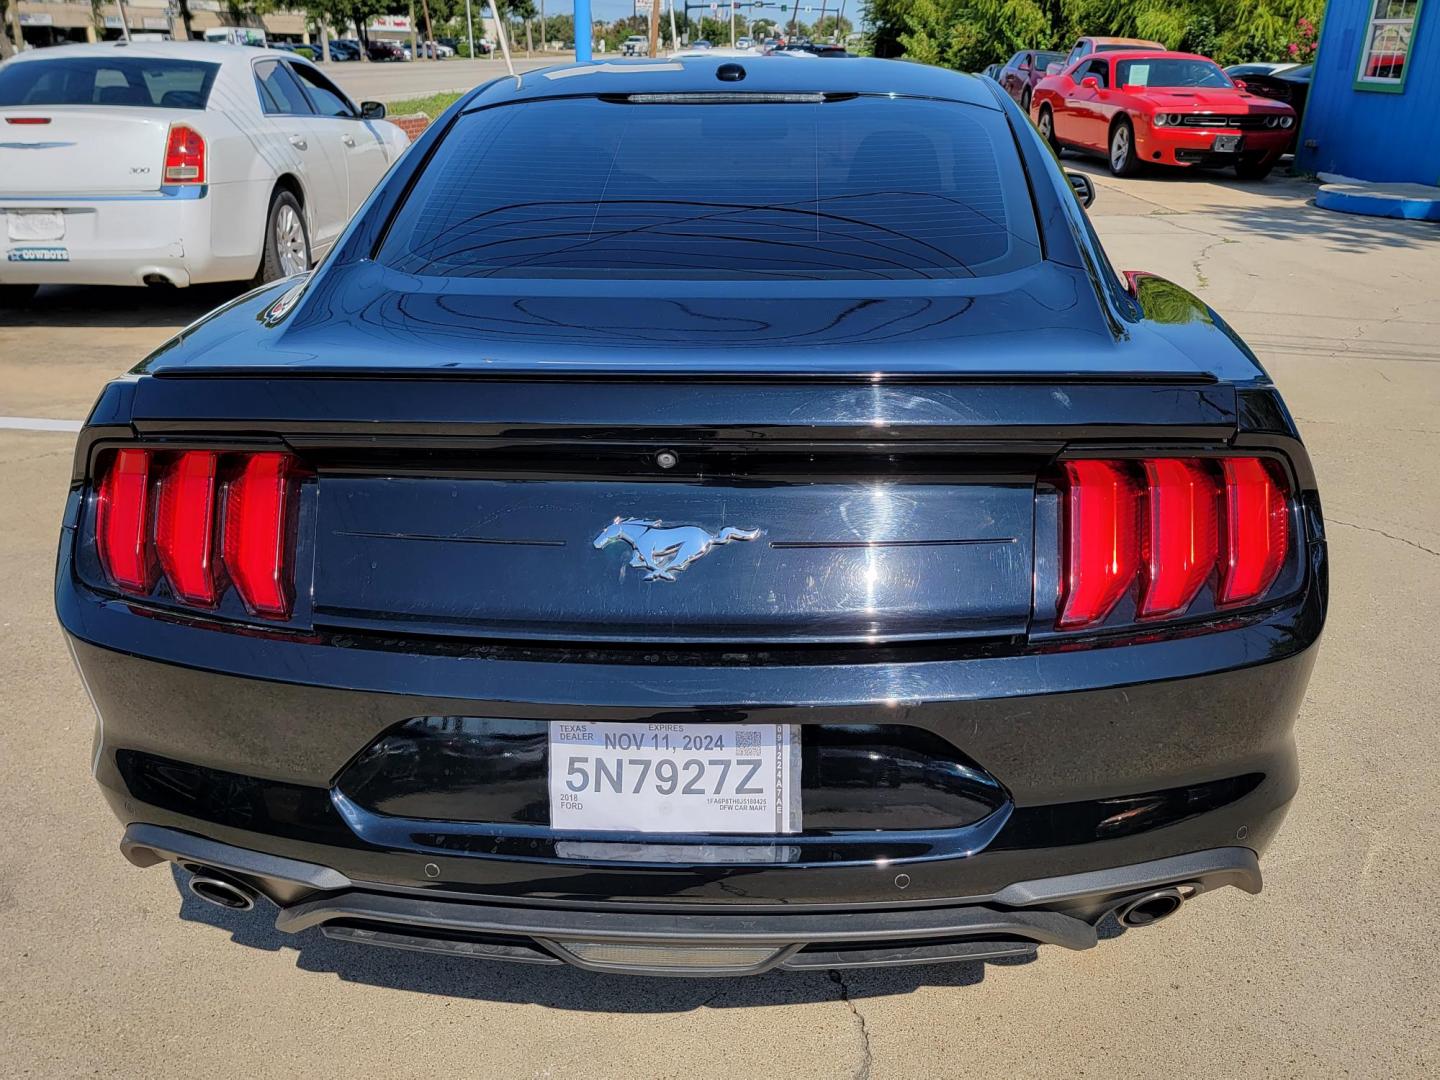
{"x":1150,"y":908}
{"x":218,"y":888}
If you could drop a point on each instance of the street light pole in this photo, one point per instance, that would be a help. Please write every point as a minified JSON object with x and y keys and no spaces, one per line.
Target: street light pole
{"x":584,"y":47}
{"x":470,"y":28}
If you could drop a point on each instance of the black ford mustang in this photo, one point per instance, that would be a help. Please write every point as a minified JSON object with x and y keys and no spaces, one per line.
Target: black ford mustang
{"x":702,"y":517}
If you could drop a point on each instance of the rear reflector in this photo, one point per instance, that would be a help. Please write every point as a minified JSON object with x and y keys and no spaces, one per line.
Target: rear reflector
{"x":1257,"y":530}
{"x":256,"y":541}
{"x":122,"y":522}
{"x":185,"y":526}
{"x":1164,"y":528}
{"x":1102,"y":540}
{"x":1181,"y":541}
{"x":188,"y":521}
{"x":184,"y":156}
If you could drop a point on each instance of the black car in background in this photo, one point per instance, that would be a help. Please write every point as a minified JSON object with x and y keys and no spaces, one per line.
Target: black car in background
{"x":1022,"y":71}
{"x":383,"y":50}
{"x":1290,"y":85}
{"x":806,"y":554}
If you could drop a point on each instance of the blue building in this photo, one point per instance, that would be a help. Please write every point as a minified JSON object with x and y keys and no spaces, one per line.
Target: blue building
{"x":1374,"y":106}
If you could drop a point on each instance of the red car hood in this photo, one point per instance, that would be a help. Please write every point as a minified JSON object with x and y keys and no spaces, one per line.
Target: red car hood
{"x":1229,"y":101}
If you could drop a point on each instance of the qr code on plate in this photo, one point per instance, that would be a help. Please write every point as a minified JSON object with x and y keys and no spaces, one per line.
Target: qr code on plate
{"x":748,"y":742}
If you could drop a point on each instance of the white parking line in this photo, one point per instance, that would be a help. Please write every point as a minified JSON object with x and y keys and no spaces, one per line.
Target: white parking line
{"x":39,"y":423}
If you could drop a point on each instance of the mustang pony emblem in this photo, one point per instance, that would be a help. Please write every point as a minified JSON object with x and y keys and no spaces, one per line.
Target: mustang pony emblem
{"x":665,"y":552}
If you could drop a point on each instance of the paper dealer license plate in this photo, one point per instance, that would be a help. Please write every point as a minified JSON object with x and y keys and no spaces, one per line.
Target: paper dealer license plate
{"x":675,"y":778}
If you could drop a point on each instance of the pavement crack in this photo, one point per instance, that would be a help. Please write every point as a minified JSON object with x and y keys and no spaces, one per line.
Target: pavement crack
{"x":1382,"y":532}
{"x":1198,"y":264}
{"x":862,"y":1071}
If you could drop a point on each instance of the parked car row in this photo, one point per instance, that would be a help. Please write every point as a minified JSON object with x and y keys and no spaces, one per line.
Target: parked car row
{"x":1137,"y":104}
{"x":175,"y":163}
{"x":1141,"y":107}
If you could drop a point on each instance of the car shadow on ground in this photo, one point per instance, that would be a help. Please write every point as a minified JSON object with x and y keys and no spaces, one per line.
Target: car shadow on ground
{"x":87,"y":307}
{"x":567,"y":987}
{"x":1292,"y":215}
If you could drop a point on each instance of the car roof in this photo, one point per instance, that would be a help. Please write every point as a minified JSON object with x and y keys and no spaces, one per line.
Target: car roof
{"x":168,"y":50}
{"x":1151,"y":54}
{"x":763,"y":74}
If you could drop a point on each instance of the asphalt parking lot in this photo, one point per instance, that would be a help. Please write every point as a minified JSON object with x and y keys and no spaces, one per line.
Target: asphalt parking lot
{"x":110,"y":971}
{"x":391,"y":82}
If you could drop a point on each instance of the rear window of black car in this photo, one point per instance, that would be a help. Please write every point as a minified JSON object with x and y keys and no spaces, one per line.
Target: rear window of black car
{"x":867,"y":187}
{"x":130,"y":80}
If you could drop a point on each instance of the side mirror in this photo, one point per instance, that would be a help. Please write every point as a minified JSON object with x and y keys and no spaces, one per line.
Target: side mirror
{"x":372,"y":110}
{"x":1239,"y":83}
{"x":1083,"y":187}
{"x":1090,"y":83}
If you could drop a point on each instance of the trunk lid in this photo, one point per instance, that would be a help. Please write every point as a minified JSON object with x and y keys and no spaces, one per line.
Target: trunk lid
{"x":853,"y":462}
{"x":82,"y":150}
{"x":807,"y":510}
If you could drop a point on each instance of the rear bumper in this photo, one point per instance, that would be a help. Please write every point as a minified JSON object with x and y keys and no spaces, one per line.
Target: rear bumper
{"x":130,"y":240}
{"x":1060,"y":911}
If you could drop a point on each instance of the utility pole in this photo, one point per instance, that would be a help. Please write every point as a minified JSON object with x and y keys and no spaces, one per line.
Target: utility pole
{"x":654,"y":28}
{"x":124,"y":19}
{"x":470,"y":28}
{"x":429,"y":30}
{"x":542,"y":25}
{"x":674,"y":37}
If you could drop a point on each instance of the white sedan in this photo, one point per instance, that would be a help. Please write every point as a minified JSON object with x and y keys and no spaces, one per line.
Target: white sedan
{"x":177,"y":163}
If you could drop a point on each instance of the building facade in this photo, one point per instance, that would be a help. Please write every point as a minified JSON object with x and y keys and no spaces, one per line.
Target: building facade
{"x":57,"y":22}
{"x":1373,"y":111}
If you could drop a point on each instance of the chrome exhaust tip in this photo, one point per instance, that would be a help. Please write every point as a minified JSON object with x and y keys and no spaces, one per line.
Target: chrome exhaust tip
{"x":221,"y":890}
{"x":1151,"y":908}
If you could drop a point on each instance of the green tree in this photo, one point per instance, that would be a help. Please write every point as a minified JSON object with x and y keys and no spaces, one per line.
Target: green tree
{"x":968,"y":34}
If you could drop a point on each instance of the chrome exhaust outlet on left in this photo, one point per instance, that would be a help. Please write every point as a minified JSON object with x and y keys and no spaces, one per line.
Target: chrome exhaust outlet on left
{"x":218,"y":888}
{"x":1150,"y":908}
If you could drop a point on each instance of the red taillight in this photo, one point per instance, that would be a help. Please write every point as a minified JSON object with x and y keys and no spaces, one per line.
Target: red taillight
{"x":1102,"y":541}
{"x":256,"y":533}
{"x":27,"y":119}
{"x":1181,"y":539}
{"x":1257,"y":530}
{"x":185,"y":526}
{"x":122,"y":522}
{"x":1167,"y":540}
{"x":193,"y":524}
{"x":184,"y":156}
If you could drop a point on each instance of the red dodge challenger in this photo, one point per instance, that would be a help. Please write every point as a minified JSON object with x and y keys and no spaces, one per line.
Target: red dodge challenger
{"x":1154,"y":107}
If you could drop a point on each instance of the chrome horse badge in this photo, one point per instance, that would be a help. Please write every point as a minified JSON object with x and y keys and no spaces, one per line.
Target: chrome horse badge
{"x":665,"y":552}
